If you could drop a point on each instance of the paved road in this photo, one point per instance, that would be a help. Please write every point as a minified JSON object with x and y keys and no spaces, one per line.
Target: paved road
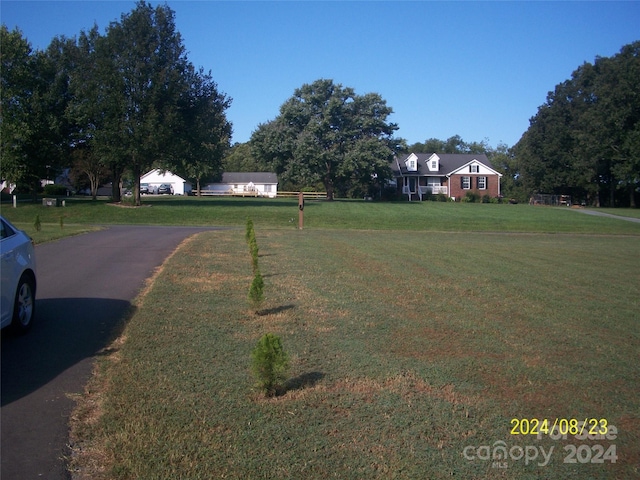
{"x":85,"y":286}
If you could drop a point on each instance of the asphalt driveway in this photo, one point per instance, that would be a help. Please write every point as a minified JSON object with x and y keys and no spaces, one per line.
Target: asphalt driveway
{"x":85,"y":287}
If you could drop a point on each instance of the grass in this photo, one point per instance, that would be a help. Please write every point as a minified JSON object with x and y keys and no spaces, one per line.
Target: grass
{"x":342,"y":214}
{"x":407,"y":345}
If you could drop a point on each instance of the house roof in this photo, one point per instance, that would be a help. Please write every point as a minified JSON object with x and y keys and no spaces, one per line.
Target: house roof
{"x":449,"y":163}
{"x":166,"y":175}
{"x":247,"y":177}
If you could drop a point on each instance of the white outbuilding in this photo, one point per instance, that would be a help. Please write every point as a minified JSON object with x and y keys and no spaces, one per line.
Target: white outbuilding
{"x":259,"y":184}
{"x":157,"y":177}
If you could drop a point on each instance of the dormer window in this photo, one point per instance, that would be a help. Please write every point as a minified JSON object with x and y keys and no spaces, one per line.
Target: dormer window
{"x":433,"y":163}
{"x":412,"y":163}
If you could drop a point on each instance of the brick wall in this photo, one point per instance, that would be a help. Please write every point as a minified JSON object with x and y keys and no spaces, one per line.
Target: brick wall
{"x":456,"y":186}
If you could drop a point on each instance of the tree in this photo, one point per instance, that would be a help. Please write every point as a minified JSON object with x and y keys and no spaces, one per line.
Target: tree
{"x":584,"y":138}
{"x":131,"y":92}
{"x":202,"y":133}
{"x":87,"y":164}
{"x":326,"y":133}
{"x":270,"y":364}
{"x":454,"y":144}
{"x":240,"y":159}
{"x":34,"y":95}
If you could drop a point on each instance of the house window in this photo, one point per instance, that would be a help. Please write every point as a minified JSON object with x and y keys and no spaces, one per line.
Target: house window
{"x":412,"y":165}
{"x":482,"y":183}
{"x":474,"y":168}
{"x":434,"y":165}
{"x":466,"y":183}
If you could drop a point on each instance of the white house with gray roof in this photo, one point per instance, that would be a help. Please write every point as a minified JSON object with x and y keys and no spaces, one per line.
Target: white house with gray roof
{"x":258,"y":184}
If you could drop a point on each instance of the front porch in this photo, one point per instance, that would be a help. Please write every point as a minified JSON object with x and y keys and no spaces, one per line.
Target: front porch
{"x":417,"y":187}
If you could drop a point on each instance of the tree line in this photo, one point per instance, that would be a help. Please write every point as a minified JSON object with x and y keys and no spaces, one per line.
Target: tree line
{"x":128,"y":100}
{"x":120,"y":102}
{"x":585,"y":139}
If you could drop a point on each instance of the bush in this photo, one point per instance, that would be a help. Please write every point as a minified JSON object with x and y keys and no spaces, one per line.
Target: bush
{"x":486,"y":198}
{"x":256,"y":290}
{"x":55,"y":190}
{"x":270,"y":364}
{"x":471,"y":197}
{"x":249,"y":232}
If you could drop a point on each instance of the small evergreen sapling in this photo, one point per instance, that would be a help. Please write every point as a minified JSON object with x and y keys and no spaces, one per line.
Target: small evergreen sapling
{"x":249,"y":231}
{"x":270,"y":364}
{"x":256,"y":290}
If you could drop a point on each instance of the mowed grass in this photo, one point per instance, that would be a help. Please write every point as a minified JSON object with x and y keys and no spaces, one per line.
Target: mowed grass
{"x":406,"y":346}
{"x":340,"y":214}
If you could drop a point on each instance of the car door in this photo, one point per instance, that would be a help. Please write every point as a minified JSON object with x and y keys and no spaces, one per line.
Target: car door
{"x":8,"y":239}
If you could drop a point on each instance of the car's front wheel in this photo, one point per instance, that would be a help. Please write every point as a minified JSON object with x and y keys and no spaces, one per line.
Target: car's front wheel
{"x":25,"y":305}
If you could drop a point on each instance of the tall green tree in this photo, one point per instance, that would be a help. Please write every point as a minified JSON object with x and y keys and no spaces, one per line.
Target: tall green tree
{"x":130,"y":91}
{"x":327,"y":133}
{"x":150,"y":62}
{"x":584,"y":138}
{"x":203,"y":133}
{"x":34,"y":95}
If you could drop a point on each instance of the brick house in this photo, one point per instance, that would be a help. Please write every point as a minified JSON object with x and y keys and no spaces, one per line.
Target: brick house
{"x":450,"y":174}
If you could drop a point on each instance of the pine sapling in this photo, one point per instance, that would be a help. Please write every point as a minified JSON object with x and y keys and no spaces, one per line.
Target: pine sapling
{"x":253,"y":249}
{"x":256,"y":290}
{"x":270,"y":364}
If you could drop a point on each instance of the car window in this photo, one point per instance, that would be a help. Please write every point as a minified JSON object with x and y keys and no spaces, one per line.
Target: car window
{"x":6,"y":230}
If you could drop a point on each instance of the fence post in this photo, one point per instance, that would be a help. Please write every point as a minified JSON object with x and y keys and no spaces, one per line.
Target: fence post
{"x":300,"y":210}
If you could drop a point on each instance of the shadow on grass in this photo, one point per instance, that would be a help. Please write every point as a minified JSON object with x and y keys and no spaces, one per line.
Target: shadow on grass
{"x":274,"y":310}
{"x":306,"y":380}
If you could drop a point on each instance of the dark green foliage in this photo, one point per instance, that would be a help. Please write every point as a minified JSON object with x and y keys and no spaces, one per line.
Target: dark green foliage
{"x":250,"y":237}
{"x":270,"y":364}
{"x":585,"y":140}
{"x":471,"y":197}
{"x":249,"y":230}
{"x":55,"y":189}
{"x":253,"y":249}
{"x":256,"y":290}
{"x":327,"y":133}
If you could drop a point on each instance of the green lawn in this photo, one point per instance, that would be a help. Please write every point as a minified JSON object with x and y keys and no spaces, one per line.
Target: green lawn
{"x":342,"y":214}
{"x":409,"y":343}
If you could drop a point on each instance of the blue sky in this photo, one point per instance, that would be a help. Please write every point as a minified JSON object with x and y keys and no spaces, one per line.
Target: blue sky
{"x":475,"y":69}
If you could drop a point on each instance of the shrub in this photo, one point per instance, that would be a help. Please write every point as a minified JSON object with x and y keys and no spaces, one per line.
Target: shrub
{"x":471,"y":197}
{"x":249,"y":233}
{"x":256,"y":290}
{"x":486,"y":198}
{"x":55,"y":190}
{"x":270,"y":364}
{"x":253,"y":249}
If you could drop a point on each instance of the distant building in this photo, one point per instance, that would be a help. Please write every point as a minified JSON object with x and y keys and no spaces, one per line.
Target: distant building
{"x":450,"y":174}
{"x":260,"y":184}
{"x":155,"y":178}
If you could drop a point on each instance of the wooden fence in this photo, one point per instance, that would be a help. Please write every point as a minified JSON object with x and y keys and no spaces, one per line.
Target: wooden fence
{"x":229,"y":193}
{"x":308,"y":195}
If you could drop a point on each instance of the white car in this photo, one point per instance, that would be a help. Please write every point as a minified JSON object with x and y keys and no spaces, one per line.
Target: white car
{"x":18,"y":270}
